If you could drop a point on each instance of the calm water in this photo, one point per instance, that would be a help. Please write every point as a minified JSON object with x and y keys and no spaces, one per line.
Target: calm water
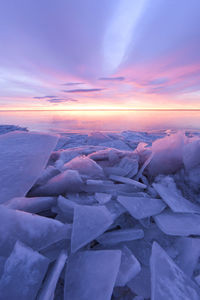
{"x":79,"y":121}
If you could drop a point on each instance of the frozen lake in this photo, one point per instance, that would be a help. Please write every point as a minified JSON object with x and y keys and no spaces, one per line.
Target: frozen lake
{"x":86,"y":121}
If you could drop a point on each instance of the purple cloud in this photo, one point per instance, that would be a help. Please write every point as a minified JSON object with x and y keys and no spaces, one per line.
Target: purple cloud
{"x":83,"y":90}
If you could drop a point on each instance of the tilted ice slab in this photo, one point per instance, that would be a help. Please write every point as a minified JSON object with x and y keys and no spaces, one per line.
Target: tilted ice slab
{"x":168,"y":281}
{"x":141,"y":207}
{"x":23,"y":157}
{"x":168,"y":191}
{"x":91,"y":275}
{"x":33,"y":230}
{"x":24,"y":271}
{"x":32,"y":205}
{"x":121,"y":235}
{"x":67,"y":181}
{"x":49,"y":286}
{"x":89,"y":222}
{"x":181,"y":224}
{"x":129,"y":267}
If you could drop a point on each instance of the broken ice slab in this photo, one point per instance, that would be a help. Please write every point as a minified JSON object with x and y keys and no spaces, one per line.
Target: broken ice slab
{"x":129,"y":267}
{"x":32,"y":205}
{"x":102,"y":198}
{"x":178,"y":223}
{"x":67,"y":208}
{"x":47,"y":174}
{"x":89,"y":223}
{"x":141,"y":283}
{"x":67,"y":181}
{"x":119,"y":236}
{"x":33,"y":230}
{"x":104,"y":186}
{"x":23,"y":273}
{"x":91,"y":275}
{"x":49,"y":285}
{"x":168,"y":281}
{"x":166,"y":188}
{"x":129,"y":165}
{"x":85,"y":165}
{"x":23,"y":157}
{"x":128,"y":181}
{"x":141,"y":207}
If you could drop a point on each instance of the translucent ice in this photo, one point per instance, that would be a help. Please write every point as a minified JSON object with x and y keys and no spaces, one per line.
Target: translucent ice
{"x":191,"y":156}
{"x":129,"y":267}
{"x":91,"y":275}
{"x":23,"y":273}
{"x":168,"y":281}
{"x":32,"y":205}
{"x":119,"y":236}
{"x":167,"y":156}
{"x":23,"y":156}
{"x":84,"y":165}
{"x":89,"y":222}
{"x":51,"y":280}
{"x":33,"y":230}
{"x":168,"y":191}
{"x":141,"y":207}
{"x":178,"y":223}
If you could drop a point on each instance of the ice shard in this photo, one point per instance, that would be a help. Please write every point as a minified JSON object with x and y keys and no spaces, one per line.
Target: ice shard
{"x":23,"y":157}
{"x":168,"y":281}
{"x":89,"y":223}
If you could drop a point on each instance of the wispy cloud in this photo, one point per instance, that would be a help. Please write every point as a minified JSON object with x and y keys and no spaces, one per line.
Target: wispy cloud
{"x":44,"y":97}
{"x":60,"y":100}
{"x":72,"y":83}
{"x":112,"y":78}
{"x":83,"y":90}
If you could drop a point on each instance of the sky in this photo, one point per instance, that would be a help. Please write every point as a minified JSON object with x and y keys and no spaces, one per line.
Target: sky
{"x":99,"y":54}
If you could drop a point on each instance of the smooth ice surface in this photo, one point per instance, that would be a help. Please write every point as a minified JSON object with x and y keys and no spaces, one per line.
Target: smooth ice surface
{"x":33,"y":230}
{"x":51,"y":280}
{"x":32,"y":205}
{"x":168,"y":281}
{"x":141,"y":207}
{"x":23,"y":157}
{"x":119,"y":236}
{"x":168,"y":191}
{"x":141,"y":284}
{"x":178,"y":223}
{"x":23,"y":273}
{"x":91,"y":275}
{"x":89,"y":222}
{"x":103,"y":198}
{"x":129,"y":267}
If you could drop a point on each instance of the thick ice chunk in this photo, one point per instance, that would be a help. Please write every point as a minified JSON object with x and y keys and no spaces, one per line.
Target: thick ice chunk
{"x":129,"y":165}
{"x":168,"y":191}
{"x":141,"y":207}
{"x":129,"y":267}
{"x":191,"y":157}
{"x":51,"y":280}
{"x":91,"y":275}
{"x":167,"y":154}
{"x":24,"y":271}
{"x":119,"y":236}
{"x":23,"y":157}
{"x":32,"y":205}
{"x":89,"y":223}
{"x":168,"y":281}
{"x":85,"y":165}
{"x":67,"y":181}
{"x":178,"y":223}
{"x":33,"y":230}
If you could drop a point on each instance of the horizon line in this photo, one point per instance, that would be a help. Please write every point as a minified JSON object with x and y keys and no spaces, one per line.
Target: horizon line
{"x":105,"y":109}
